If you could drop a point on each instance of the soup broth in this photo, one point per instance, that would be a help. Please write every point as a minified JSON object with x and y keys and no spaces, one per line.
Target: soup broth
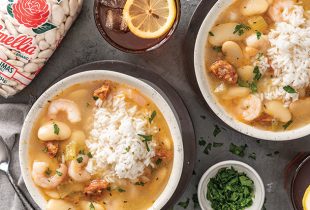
{"x":243,"y":60}
{"x":111,"y":192}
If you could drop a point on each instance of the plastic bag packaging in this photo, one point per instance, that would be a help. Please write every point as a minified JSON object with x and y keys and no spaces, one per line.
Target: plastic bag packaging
{"x":30,"y":31}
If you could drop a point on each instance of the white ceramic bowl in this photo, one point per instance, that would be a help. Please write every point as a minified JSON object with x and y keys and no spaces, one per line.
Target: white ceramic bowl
{"x":146,"y":89}
{"x":259,"y":190}
{"x":201,"y":75}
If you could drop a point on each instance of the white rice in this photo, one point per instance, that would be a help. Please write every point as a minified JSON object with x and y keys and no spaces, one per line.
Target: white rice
{"x":118,"y":151}
{"x":289,"y":55}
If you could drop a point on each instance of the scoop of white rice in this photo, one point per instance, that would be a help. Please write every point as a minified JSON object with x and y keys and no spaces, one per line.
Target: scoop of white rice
{"x":118,"y":151}
{"x":289,"y":55}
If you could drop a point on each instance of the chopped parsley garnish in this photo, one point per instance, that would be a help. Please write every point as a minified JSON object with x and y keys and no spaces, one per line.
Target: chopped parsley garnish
{"x":91,"y":206}
{"x":241,"y":28}
{"x":217,"y":48}
{"x":158,"y":161}
{"x":258,"y":35}
{"x":230,"y":189}
{"x":48,"y":172}
{"x":215,"y":144}
{"x":216,"y":130}
{"x":202,"y":142}
{"x":79,"y":159}
{"x":56,"y":129}
{"x":140,"y":183}
{"x":207,"y":149}
{"x":237,"y":150}
{"x":211,"y":33}
{"x":286,"y":125}
{"x":89,"y":155}
{"x":242,"y":83}
{"x":82,"y":152}
{"x":45,"y":149}
{"x":252,"y":156}
{"x":184,"y":204}
{"x":257,"y":74}
{"x":253,"y":87}
{"x":95,"y":98}
{"x":195,"y":200}
{"x":127,"y":149}
{"x":153,"y":115}
{"x":146,"y":139}
{"x":121,"y":190}
{"x":289,"y":89}
{"x":58,"y":173}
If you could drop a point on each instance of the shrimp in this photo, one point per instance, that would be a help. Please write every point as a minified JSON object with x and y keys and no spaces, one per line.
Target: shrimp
{"x":261,"y":44}
{"x":104,"y":90}
{"x":251,"y":107}
{"x":77,"y":169}
{"x":41,"y":171}
{"x":276,"y":9}
{"x":65,"y":105}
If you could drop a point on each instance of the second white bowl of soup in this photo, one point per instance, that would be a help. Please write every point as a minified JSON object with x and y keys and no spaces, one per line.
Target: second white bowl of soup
{"x":251,"y":64}
{"x":101,"y":140}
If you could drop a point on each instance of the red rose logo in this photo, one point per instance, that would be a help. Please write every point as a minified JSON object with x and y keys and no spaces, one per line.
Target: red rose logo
{"x":31,"y":13}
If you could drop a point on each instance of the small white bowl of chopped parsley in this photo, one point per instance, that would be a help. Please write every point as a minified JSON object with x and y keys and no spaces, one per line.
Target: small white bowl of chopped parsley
{"x":231,"y":185}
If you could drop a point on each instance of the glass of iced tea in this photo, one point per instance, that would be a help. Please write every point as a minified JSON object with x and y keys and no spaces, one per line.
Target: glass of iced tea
{"x":137,"y":26}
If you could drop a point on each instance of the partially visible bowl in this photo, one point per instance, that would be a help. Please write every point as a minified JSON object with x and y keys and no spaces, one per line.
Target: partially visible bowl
{"x":205,"y":88}
{"x":144,"y":88}
{"x":259,"y":191}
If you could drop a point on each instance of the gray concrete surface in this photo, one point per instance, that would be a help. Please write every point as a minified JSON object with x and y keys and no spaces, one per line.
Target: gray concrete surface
{"x":84,"y":44}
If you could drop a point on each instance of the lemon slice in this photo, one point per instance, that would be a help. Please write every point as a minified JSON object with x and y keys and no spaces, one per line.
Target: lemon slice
{"x":149,"y":19}
{"x":306,"y":199}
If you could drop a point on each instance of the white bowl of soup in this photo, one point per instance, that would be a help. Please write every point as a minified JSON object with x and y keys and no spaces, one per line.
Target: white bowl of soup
{"x":101,"y":140}
{"x":251,"y":64}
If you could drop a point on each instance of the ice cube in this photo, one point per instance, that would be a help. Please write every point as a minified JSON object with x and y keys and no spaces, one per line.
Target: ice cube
{"x":115,"y":20}
{"x":116,"y":4}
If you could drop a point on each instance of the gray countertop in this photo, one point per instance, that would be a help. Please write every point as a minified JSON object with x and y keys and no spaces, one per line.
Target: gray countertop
{"x":84,"y":44}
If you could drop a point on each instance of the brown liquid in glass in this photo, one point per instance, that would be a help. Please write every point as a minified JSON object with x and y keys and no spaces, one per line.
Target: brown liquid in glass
{"x":128,"y":40}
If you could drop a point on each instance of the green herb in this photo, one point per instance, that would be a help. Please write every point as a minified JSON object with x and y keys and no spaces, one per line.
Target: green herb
{"x":153,"y":115}
{"x":215,"y":144}
{"x":202,"y":142}
{"x":211,"y":33}
{"x":48,"y":172}
{"x":121,"y":190}
{"x":79,"y":159}
{"x":56,"y":129}
{"x":140,"y":183}
{"x":242,"y":83}
{"x":241,"y":28}
{"x":127,"y":149}
{"x":237,"y":150}
{"x":89,"y":155}
{"x":253,"y":87}
{"x":195,"y":200}
{"x":146,"y":139}
{"x":95,"y":98}
{"x":231,"y":190}
{"x":289,"y":89}
{"x":286,"y":125}
{"x":158,"y":161}
{"x":258,"y":35}
{"x":207,"y":149}
{"x":184,"y":204}
{"x":257,"y":73}
{"x":91,"y":206}
{"x":45,"y":149}
{"x":216,"y":130}
{"x":58,"y":173}
{"x":82,"y":152}
{"x":217,"y":48}
{"x":252,"y":156}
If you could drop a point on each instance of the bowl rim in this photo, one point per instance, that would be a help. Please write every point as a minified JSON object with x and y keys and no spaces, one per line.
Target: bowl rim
{"x":228,"y":163}
{"x":94,"y":75}
{"x":210,"y":98}
{"x":114,"y":44}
